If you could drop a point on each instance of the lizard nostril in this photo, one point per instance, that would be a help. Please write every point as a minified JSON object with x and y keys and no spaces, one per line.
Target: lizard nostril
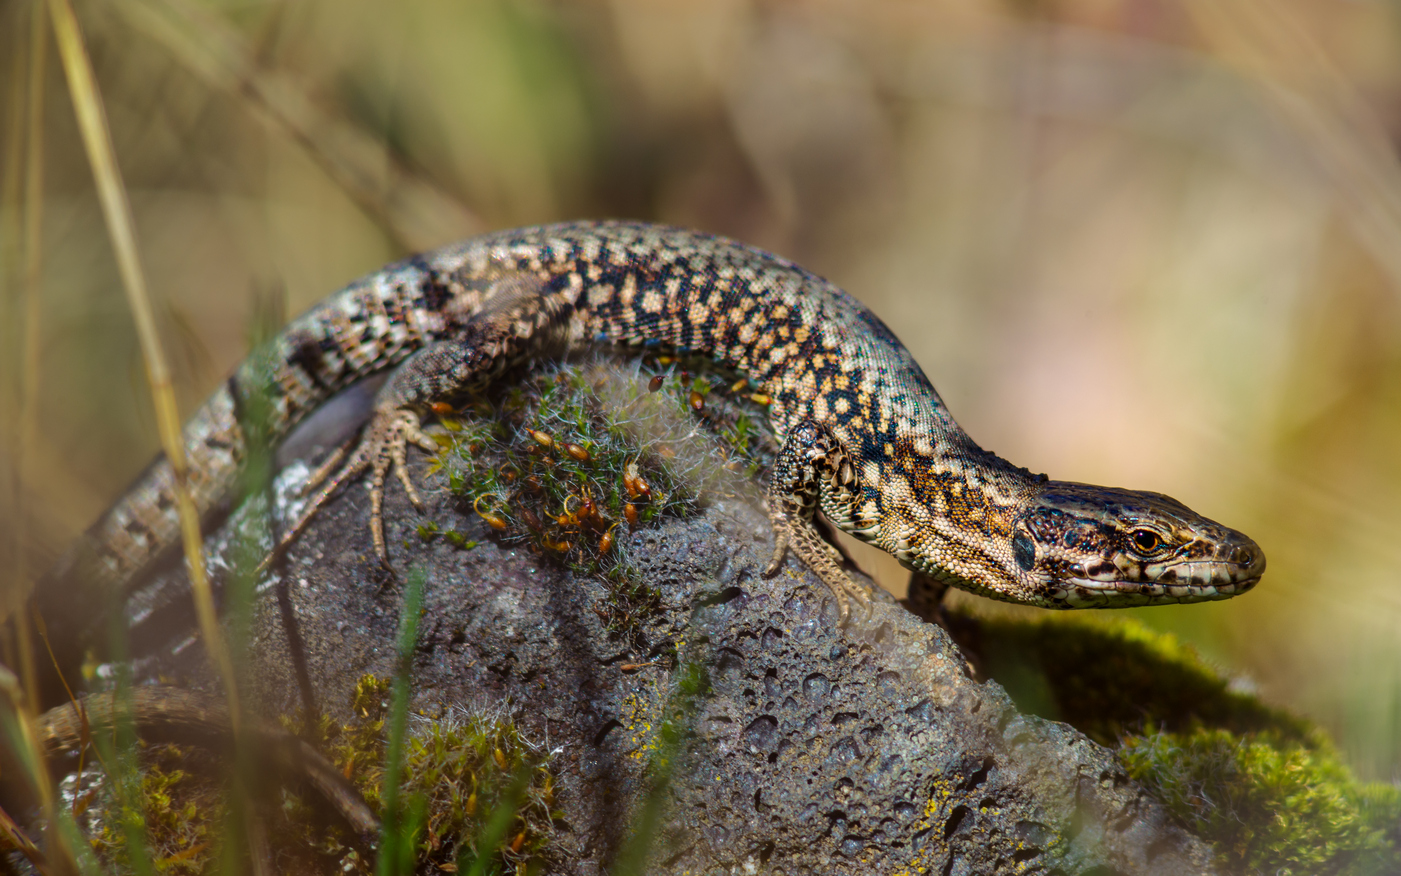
{"x":1249,"y":556}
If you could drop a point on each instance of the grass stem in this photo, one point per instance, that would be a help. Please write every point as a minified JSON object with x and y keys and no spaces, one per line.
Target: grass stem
{"x":111,"y":190}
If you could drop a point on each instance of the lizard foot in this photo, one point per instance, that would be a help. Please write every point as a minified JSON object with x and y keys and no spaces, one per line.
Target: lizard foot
{"x":382,"y":446}
{"x":810,"y":460}
{"x":817,"y":554}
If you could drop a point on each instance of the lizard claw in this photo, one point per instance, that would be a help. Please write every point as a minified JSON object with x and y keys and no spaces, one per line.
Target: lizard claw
{"x":382,"y":446}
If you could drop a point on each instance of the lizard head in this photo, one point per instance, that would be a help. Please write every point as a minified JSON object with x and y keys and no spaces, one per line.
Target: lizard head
{"x":1082,"y":546}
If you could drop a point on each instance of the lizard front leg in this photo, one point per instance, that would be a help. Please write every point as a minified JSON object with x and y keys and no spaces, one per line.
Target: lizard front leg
{"x":810,"y":458}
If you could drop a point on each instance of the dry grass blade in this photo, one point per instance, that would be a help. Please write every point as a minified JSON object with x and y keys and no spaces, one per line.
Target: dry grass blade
{"x":14,"y":588}
{"x":117,"y":212}
{"x":15,"y":836}
{"x":28,"y":751}
{"x":26,"y":155}
{"x":412,"y":211}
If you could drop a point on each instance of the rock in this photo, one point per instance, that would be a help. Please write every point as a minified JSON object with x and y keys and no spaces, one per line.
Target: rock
{"x":802,"y":748}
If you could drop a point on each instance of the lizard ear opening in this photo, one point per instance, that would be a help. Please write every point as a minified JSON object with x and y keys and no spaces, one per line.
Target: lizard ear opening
{"x":1024,"y":550}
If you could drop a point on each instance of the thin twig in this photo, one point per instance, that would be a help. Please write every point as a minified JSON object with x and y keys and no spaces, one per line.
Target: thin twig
{"x":111,"y":190}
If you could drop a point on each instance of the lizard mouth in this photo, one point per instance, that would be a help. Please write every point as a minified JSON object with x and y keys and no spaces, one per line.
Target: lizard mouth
{"x":1090,"y":593}
{"x":1236,"y":567}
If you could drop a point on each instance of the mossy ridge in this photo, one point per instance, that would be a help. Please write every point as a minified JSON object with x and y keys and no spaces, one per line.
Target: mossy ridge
{"x":571,"y":457}
{"x":1271,"y":804}
{"x":1266,"y":788}
{"x":1114,"y":678}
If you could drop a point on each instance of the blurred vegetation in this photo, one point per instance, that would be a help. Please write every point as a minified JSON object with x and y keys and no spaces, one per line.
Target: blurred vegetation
{"x":1112,"y":677}
{"x":1136,"y":242}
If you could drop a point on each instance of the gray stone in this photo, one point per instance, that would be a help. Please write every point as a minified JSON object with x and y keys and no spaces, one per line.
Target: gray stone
{"x":813,"y":750}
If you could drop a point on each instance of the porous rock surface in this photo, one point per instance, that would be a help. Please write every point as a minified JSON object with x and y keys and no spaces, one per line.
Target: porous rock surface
{"x":812,"y":750}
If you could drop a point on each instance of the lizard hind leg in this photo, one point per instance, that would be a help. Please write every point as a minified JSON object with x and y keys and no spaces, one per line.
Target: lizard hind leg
{"x":381,"y":446}
{"x":514,"y":319}
{"x":810,"y":455}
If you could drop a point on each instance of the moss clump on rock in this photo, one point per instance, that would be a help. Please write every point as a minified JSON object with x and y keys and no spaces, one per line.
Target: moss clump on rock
{"x":460,"y":772}
{"x":1269,"y":803}
{"x":174,"y":813}
{"x":570,"y":459}
{"x":1266,"y":788}
{"x":1112,"y":678}
{"x":477,"y":794}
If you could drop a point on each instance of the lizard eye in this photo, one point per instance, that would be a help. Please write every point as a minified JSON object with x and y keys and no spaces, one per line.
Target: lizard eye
{"x":1145,"y":541}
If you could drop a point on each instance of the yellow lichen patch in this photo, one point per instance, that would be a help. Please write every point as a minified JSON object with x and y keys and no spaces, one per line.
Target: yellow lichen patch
{"x":640,"y":717}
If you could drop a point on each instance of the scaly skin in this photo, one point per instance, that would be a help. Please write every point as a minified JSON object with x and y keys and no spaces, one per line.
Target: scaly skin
{"x":865,"y":438}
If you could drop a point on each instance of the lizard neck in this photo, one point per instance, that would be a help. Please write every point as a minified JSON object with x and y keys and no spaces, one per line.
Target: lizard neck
{"x":948,"y":509}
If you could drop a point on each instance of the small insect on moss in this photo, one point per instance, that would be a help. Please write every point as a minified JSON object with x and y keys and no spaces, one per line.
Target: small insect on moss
{"x":656,"y":383}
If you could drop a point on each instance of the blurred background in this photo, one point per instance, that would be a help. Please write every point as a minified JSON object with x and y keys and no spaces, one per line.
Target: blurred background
{"x":1148,"y":243}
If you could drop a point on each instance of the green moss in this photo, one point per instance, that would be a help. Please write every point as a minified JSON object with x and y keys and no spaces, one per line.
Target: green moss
{"x":430,"y":532}
{"x":459,"y":772}
{"x":1266,"y":788}
{"x":572,"y":457}
{"x":1271,"y":804}
{"x":541,"y":464}
{"x":179,"y":812}
{"x":1111,"y":678}
{"x":469,"y":768}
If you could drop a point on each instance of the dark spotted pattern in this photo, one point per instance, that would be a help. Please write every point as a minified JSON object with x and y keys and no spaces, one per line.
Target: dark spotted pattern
{"x":878,"y":453}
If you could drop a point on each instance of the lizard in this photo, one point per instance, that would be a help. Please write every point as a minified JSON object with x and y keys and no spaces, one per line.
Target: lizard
{"x":864,"y":437}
